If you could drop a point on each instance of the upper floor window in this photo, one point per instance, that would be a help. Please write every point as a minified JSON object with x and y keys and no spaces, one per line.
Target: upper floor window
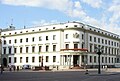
{"x":9,"y":59}
{"x":15,"y":50}
{"x":40,"y":38}
{"x":33,"y":39}
{"x":27,"y":49}
{"x":102,"y":41}
{"x":98,"y":40}
{"x":15,"y":41}
{"x":94,"y":39}
{"x":54,"y":47}
{"x":33,"y":49}
{"x":9,"y":41}
{"x":10,"y":51}
{"x":4,"y":50}
{"x":66,"y":36}
{"x":75,"y":25}
{"x":75,"y":45}
{"x":82,"y":36}
{"x":105,"y":41}
{"x":54,"y":37}
{"x":90,"y":38}
{"x":20,"y":49}
{"x":47,"y":47}
{"x":26,"y":39}
{"x":20,"y":40}
{"x":67,"y":46}
{"x":46,"y":37}
{"x":4,"y":42}
{"x":40,"y":48}
{"x":54,"y":58}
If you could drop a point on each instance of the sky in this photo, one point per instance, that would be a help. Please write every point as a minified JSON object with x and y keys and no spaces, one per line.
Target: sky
{"x":104,"y":14}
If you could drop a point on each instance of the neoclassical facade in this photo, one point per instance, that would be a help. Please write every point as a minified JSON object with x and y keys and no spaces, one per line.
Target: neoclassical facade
{"x":65,"y":45}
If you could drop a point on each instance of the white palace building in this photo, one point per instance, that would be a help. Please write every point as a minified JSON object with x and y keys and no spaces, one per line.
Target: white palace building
{"x":64,"y":45}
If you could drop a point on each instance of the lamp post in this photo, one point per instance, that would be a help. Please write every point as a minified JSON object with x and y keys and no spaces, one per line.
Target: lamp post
{"x":99,"y":51}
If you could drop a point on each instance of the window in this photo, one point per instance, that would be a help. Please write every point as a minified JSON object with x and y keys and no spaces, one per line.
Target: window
{"x":90,"y":38}
{"x":20,"y":40}
{"x":47,"y":58}
{"x":9,"y":59}
{"x":82,"y":36}
{"x":112,"y":43}
{"x":105,"y":59}
{"x":109,"y":42}
{"x":9,"y":41}
{"x":54,"y":37}
{"x":54,"y":47}
{"x":4,"y":50}
{"x":33,"y":39}
{"x":26,"y":59}
{"x":67,"y":46}
{"x":47,"y":47}
{"x":66,"y":36}
{"x":33,"y":49}
{"x":83,"y":45}
{"x":15,"y":41}
{"x":102,"y":59}
{"x":106,"y":50}
{"x":46,"y":37}
{"x":40,"y":48}
{"x":15,"y":50}
{"x":54,"y":58}
{"x":109,"y":59}
{"x":4,"y":42}
{"x":102,"y":41}
{"x":94,"y":39}
{"x":90,"y":47}
{"x":20,"y":49}
{"x":26,"y":49}
{"x":40,"y":58}
{"x":10,"y":50}
{"x":98,"y":40}
{"x":75,"y":45}
{"x":26,"y":39}
{"x":90,"y":59}
{"x":94,"y":59}
{"x":15,"y":59}
{"x":33,"y":59}
{"x":75,"y":25}
{"x":20,"y":59}
{"x":105,"y":41}
{"x":40,"y":38}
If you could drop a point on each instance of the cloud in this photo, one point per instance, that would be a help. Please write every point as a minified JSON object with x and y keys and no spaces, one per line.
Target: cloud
{"x":44,"y":22}
{"x":93,"y":3}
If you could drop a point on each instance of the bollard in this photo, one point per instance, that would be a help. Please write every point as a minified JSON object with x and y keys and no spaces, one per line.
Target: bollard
{"x":86,"y":72}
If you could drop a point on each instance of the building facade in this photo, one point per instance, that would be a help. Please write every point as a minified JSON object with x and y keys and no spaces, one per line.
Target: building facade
{"x":64,"y":45}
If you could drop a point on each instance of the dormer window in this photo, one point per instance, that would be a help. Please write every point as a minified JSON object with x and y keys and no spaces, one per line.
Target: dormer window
{"x":66,"y":26}
{"x":21,"y":32}
{"x":53,"y":27}
{"x":75,"y":25}
{"x":4,"y":34}
{"x":33,"y":30}
{"x":26,"y":31}
{"x":46,"y":28}
{"x":9,"y":33}
{"x":95,"y":30}
{"x":90,"y":29}
{"x":39,"y":29}
{"x":15,"y":32}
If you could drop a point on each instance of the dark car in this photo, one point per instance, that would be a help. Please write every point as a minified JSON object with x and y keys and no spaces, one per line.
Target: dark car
{"x":26,"y":66}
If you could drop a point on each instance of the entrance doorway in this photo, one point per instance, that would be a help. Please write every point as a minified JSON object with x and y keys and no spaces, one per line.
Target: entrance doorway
{"x":76,"y":60}
{"x":5,"y":62}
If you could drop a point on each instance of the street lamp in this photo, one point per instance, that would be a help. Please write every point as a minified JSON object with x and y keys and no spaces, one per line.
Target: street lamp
{"x":1,"y":54}
{"x":99,"y":51}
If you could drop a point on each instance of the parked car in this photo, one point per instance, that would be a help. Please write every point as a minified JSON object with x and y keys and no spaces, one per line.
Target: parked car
{"x":26,"y":66}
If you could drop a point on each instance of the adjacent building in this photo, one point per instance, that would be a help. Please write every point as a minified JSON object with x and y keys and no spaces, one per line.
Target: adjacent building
{"x":64,"y":45}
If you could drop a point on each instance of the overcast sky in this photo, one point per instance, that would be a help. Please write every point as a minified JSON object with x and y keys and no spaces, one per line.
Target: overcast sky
{"x":104,"y":14}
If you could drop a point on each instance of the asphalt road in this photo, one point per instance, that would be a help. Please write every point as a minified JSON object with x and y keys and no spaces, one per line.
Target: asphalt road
{"x":58,"y":76}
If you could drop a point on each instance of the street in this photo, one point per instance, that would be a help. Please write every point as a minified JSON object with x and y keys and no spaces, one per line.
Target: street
{"x":58,"y":76}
